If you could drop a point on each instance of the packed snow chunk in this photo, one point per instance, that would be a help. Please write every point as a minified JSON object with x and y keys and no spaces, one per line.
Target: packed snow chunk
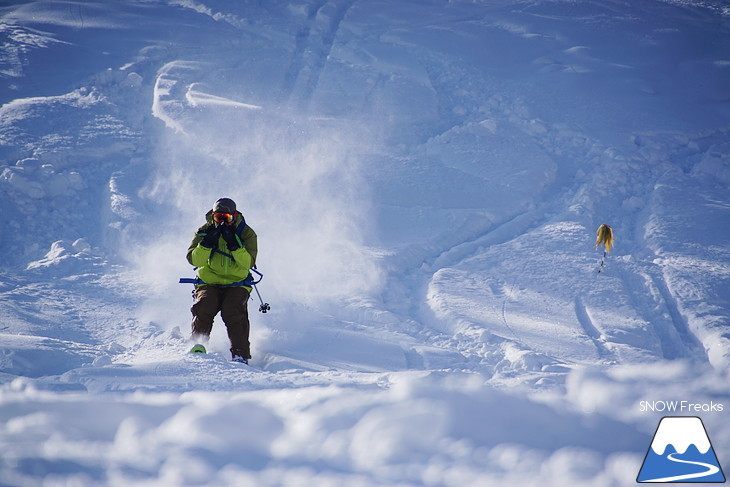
{"x":33,"y":179}
{"x":80,"y":245}
{"x":59,"y":249}
{"x":15,"y":178}
{"x":64,"y":256}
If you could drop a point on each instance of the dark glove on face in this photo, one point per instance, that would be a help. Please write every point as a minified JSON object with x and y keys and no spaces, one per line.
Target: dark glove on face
{"x":211,"y":237}
{"x":230,"y":237}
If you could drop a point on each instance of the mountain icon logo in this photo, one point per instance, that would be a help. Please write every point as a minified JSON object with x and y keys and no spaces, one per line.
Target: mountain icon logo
{"x":680,"y":452}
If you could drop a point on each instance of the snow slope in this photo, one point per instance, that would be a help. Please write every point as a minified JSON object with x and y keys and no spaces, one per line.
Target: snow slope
{"x":426,"y":179}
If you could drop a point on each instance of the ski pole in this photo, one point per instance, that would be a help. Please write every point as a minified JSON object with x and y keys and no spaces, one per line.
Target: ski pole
{"x":264,"y":306}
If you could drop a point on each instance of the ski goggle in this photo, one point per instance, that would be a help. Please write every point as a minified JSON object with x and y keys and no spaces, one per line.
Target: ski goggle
{"x":222,"y":217}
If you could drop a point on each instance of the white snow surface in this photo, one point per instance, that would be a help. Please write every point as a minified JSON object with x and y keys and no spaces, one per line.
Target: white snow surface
{"x":426,"y":179}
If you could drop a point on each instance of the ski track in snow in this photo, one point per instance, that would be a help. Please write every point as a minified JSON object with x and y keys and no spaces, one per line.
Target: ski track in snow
{"x":584,"y":318}
{"x":425,"y":180}
{"x":314,"y":41}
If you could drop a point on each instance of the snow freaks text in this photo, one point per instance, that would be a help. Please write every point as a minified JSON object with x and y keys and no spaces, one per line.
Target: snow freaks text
{"x":680,"y":407}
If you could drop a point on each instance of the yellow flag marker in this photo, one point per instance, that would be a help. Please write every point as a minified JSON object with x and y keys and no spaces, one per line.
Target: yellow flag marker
{"x":604,"y":235}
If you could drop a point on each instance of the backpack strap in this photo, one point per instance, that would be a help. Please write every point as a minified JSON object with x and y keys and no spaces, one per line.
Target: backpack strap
{"x":239,"y":230}
{"x":242,"y":225}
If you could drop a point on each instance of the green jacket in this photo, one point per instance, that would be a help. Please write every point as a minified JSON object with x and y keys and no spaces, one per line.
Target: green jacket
{"x":220,"y":265}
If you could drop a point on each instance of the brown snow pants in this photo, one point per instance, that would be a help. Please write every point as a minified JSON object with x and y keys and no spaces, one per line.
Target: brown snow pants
{"x":232,"y":302}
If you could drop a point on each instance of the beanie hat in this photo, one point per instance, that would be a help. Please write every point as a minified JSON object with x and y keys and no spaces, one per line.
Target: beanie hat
{"x":225,"y":205}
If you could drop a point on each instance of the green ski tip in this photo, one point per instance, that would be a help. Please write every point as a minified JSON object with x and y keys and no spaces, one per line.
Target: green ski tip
{"x":198,"y":349}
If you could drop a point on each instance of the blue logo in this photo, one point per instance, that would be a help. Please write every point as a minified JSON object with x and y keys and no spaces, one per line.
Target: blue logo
{"x":680,"y":452}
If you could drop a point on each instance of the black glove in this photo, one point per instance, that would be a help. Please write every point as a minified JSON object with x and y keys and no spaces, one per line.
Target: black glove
{"x":230,"y":237}
{"x":210,"y":239}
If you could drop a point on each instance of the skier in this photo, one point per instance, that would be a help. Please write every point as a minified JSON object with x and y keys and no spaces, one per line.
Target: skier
{"x":224,"y":250}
